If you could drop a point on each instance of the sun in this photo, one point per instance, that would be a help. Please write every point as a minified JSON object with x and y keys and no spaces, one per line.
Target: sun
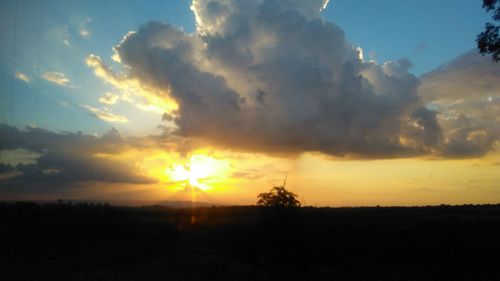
{"x":198,"y":171}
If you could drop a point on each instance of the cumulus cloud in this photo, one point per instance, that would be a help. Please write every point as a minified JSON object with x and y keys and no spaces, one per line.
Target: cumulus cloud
{"x":105,"y":114}
{"x":272,"y":76}
{"x":466,"y":95}
{"x":58,"y":78}
{"x":69,"y":158}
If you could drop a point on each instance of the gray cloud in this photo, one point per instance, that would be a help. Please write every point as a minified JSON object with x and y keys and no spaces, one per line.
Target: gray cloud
{"x":41,"y":140}
{"x":70,"y":158}
{"x":466,"y":94}
{"x":469,"y":76}
{"x":274,"y":77}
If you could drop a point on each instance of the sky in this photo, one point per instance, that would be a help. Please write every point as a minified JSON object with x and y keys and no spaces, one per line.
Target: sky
{"x":354,"y":102}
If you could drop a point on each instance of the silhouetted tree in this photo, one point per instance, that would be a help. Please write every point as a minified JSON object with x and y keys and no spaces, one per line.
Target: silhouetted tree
{"x":488,"y":41}
{"x":278,"y":196}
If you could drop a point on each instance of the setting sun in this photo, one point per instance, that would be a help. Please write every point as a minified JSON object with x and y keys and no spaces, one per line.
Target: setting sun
{"x":198,"y":171}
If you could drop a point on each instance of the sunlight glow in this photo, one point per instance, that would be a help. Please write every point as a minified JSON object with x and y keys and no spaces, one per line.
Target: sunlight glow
{"x":198,"y":171}
{"x":133,"y":91}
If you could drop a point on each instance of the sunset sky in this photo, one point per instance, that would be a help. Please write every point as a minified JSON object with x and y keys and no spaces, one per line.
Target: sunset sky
{"x":355,"y":102}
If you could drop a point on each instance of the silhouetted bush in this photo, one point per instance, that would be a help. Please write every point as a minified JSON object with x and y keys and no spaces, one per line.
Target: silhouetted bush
{"x":278,"y":196}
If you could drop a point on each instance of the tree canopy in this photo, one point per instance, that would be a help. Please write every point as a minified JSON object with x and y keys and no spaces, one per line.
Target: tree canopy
{"x":278,"y":196}
{"x":488,"y":41}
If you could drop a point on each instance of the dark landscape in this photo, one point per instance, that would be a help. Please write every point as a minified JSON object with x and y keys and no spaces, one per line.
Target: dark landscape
{"x":86,"y":241}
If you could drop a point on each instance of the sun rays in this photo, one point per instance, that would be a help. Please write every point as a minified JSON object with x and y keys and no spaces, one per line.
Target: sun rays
{"x":199,"y":171}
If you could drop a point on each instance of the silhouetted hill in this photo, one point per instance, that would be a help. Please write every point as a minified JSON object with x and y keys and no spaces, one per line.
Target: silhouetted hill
{"x":102,"y":242}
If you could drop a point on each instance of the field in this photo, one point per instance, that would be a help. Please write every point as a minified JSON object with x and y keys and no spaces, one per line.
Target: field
{"x":63,"y":241}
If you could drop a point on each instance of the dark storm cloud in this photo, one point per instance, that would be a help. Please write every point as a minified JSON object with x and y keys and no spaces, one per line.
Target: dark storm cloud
{"x":272,"y":76}
{"x":70,"y":158}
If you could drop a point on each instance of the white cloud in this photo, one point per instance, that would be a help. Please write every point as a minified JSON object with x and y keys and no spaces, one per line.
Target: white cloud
{"x":84,"y":31}
{"x":105,"y":114}
{"x":21,"y":76}
{"x":58,"y":78}
{"x":109,"y":98}
{"x":132,"y":90}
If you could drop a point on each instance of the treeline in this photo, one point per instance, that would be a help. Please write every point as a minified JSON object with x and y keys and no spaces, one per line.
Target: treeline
{"x":67,"y":241}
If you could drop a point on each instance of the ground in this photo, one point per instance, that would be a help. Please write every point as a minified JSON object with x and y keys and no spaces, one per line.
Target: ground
{"x":100,"y":242}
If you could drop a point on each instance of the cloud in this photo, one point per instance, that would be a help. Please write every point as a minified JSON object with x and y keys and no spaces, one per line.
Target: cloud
{"x":248,"y":174}
{"x":273,"y":76}
{"x":105,"y":114}
{"x":466,"y":95}
{"x":61,"y":34}
{"x":39,"y":140}
{"x":109,"y":99}
{"x":62,"y":167}
{"x":84,"y":31}
{"x":70,"y":158}
{"x":134,"y":92}
{"x":21,"y":76}
{"x":58,"y":78}
{"x":469,"y":76}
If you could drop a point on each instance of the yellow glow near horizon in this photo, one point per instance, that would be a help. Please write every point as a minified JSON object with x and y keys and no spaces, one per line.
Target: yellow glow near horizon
{"x":237,"y":178}
{"x":199,"y":169}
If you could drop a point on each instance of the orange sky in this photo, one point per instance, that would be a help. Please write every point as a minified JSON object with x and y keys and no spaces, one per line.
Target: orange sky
{"x":237,"y":178}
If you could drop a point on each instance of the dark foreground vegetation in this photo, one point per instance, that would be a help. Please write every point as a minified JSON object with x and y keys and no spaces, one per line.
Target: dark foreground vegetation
{"x":100,"y":242}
